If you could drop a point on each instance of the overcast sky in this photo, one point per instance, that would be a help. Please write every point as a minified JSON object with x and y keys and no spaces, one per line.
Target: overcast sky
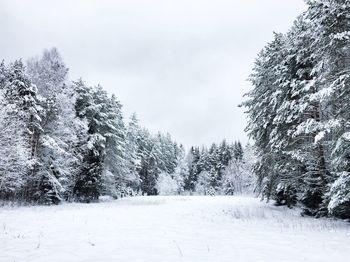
{"x":181,"y":65}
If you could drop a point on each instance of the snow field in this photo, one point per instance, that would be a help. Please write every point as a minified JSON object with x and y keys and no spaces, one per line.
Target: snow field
{"x":169,"y":229}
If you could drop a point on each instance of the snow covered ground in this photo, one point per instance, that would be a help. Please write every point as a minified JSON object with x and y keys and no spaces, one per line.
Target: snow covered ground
{"x":169,"y":229}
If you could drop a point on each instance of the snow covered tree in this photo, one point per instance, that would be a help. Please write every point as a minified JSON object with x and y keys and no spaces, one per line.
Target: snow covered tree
{"x":261,"y":106}
{"x":181,"y":171}
{"x":48,"y":72}
{"x":55,"y":154}
{"x":104,"y":167}
{"x":148,"y":172}
{"x":339,"y":195}
{"x":238,"y":176}
{"x":193,"y":169}
{"x":331,"y":23}
{"x":298,"y":117}
{"x":21,"y":119}
{"x":237,"y":150}
{"x":168,"y":185}
{"x":14,"y":148}
{"x":172,"y":183}
{"x":225,"y":153}
{"x":158,"y":154}
{"x":88,"y":182}
{"x":115,"y":162}
{"x":133,"y":156}
{"x":204,"y":183}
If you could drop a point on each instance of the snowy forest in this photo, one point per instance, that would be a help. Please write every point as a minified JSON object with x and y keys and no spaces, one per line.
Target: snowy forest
{"x":174,"y":130}
{"x":299,"y":112}
{"x":67,"y":141}
{"x":64,"y":140}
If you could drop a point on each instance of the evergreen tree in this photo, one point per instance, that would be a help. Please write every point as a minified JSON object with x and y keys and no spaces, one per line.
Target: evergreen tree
{"x":133,"y":156}
{"x":331,"y":23}
{"x":48,"y":73}
{"x":115,"y":162}
{"x":297,"y":116}
{"x":14,"y":147}
{"x":21,"y":101}
{"x":55,"y":153}
{"x":90,"y":106}
{"x":237,"y":150}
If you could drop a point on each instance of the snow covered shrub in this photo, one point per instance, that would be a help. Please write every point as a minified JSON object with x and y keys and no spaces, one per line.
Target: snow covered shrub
{"x":211,"y":192}
{"x":168,"y":185}
{"x":109,"y":187}
{"x":51,"y":190}
{"x":126,"y":191}
{"x":238,"y":177}
{"x":339,"y":204}
{"x":203,"y":185}
{"x":233,"y":178}
{"x":285,"y":195}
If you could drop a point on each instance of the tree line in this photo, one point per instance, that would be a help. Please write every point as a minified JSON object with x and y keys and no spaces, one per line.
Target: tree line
{"x":68,"y":141}
{"x":299,"y":113}
{"x":222,"y":169}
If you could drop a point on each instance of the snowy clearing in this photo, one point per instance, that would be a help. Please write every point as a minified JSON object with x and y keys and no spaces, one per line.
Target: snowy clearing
{"x":169,"y":229}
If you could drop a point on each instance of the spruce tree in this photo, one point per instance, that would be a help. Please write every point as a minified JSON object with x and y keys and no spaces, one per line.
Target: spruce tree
{"x":20,"y":94}
{"x":55,"y":154}
{"x":88,"y":182}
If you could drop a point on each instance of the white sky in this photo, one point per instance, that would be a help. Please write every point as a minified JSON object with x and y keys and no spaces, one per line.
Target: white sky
{"x":181,"y":65}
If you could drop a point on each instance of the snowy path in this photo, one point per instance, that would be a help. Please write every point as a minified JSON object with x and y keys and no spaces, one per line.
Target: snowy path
{"x":169,"y":229}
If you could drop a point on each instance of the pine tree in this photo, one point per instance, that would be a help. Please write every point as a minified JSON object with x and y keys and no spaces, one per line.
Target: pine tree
{"x":48,"y":73}
{"x":297,"y":111}
{"x":133,"y":156}
{"x":237,"y":150}
{"x":55,"y":155}
{"x":14,"y":148}
{"x":261,"y":106}
{"x":330,"y":20}
{"x":88,"y":182}
{"x":115,"y":162}
{"x":21,"y":100}
{"x":225,"y":153}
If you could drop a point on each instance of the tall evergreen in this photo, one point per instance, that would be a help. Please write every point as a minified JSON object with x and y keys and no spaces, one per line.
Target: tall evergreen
{"x":90,"y":106}
{"x":21,"y":102}
{"x":14,"y":141}
{"x":55,"y":154}
{"x":297,"y":113}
